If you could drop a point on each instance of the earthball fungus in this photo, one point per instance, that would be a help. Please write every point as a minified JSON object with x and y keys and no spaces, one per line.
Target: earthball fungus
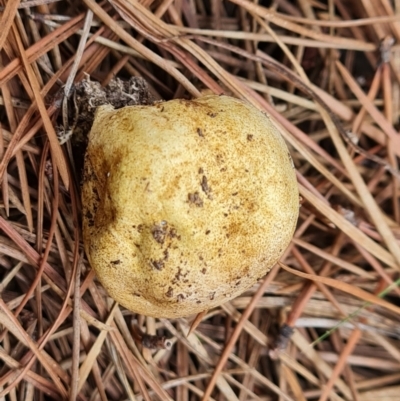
{"x":186,"y":203}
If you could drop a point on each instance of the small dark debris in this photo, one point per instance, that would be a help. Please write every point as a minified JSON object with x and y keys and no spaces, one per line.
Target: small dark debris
{"x":159,"y":232}
{"x":282,"y":341}
{"x":115,"y":262}
{"x":179,"y":274}
{"x":250,"y":137}
{"x":200,"y":132}
{"x":172,"y":233}
{"x":156,"y":342}
{"x":204,"y":185}
{"x":89,"y":95}
{"x":158,"y":264}
{"x":195,"y":199}
{"x":170,"y":292}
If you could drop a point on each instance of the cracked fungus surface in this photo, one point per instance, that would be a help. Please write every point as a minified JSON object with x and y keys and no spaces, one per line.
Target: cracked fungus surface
{"x":186,"y":204}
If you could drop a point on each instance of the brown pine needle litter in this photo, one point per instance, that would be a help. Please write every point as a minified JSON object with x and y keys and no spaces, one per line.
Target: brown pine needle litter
{"x":325,"y":323}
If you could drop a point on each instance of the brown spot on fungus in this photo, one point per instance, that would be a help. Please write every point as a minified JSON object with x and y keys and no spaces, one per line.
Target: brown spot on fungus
{"x":159,"y":231}
{"x":158,"y":264}
{"x":195,"y":199}
{"x":204,"y":185}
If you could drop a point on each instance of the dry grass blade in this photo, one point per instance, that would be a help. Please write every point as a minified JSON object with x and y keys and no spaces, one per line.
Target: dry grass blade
{"x":11,"y":324}
{"x":349,"y":228}
{"x":319,"y":363}
{"x":73,"y":392}
{"x":364,"y":193}
{"x":236,"y":333}
{"x":41,"y":47}
{"x":379,"y":118}
{"x":7,"y":19}
{"x":347,"y":288}
{"x":140,"y":48}
{"x":54,"y":143}
{"x":86,"y":366}
{"x":27,"y":208}
{"x":273,"y":17}
{"x":43,"y":385}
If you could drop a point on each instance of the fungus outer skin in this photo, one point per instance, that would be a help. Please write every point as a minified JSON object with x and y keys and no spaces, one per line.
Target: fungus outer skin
{"x":186,"y":204}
